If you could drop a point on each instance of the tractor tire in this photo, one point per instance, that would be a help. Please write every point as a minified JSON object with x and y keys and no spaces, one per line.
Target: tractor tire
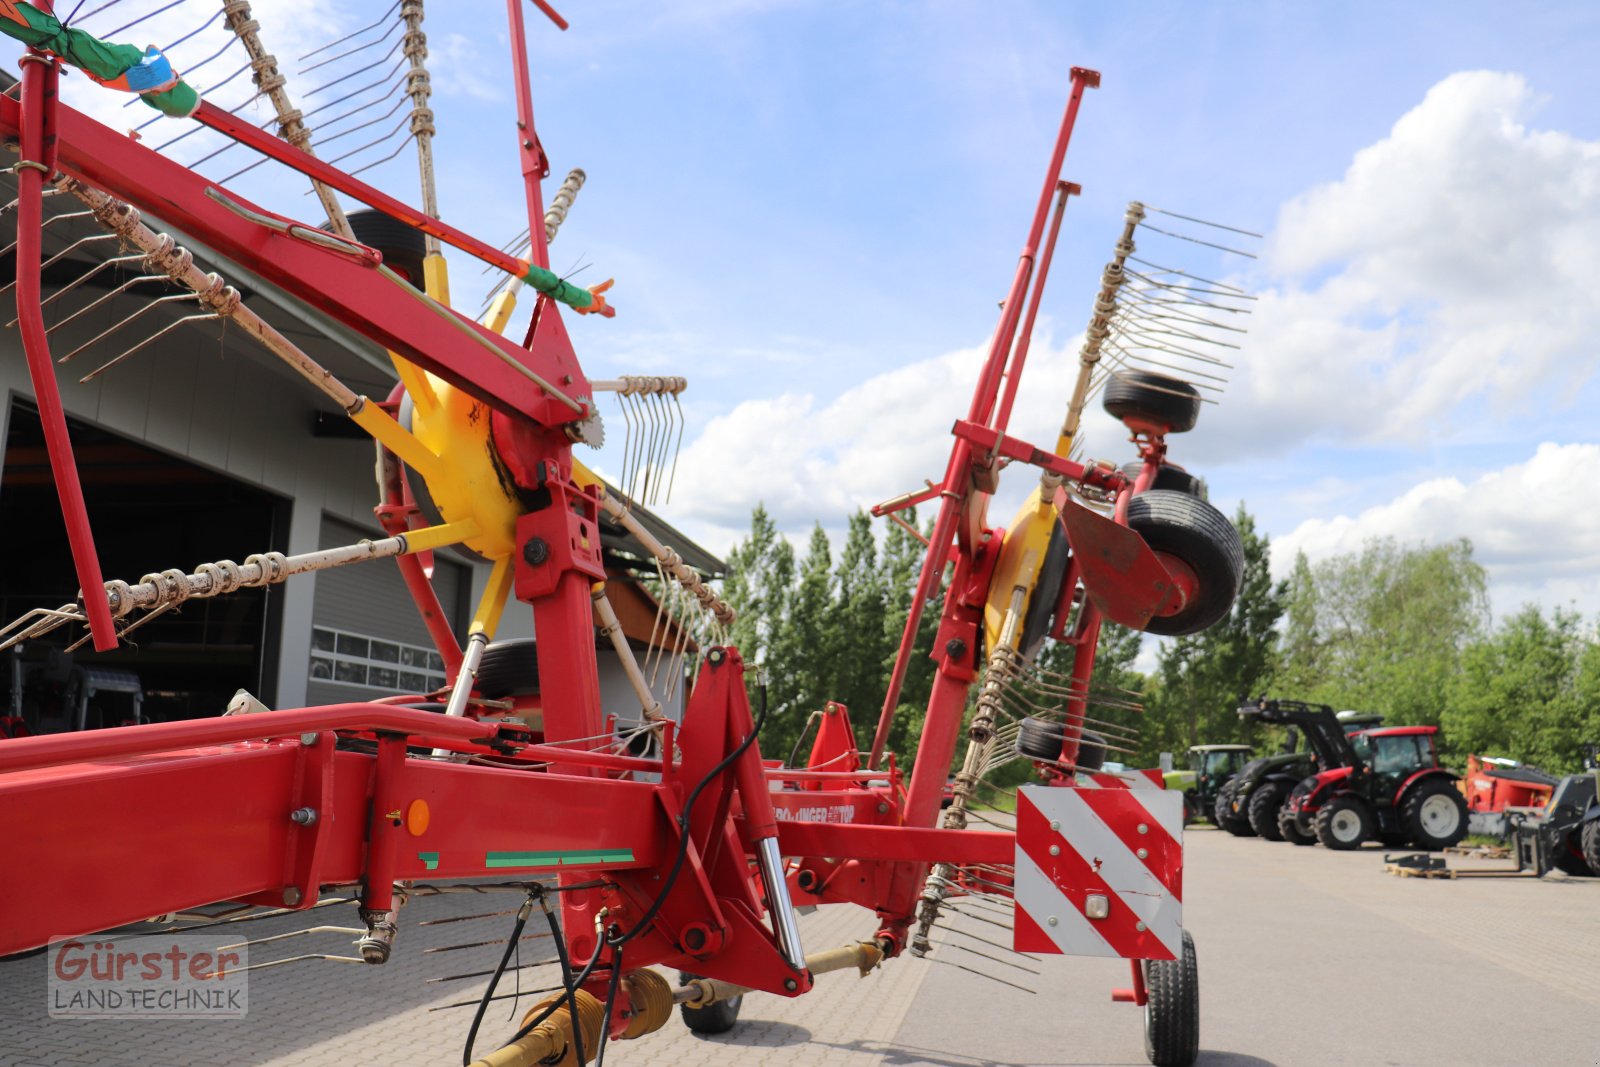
{"x":1175,"y":479}
{"x":1590,"y":842}
{"x":1172,"y":1013}
{"x":1040,"y":739}
{"x":716,"y":1018}
{"x":1263,"y":810}
{"x":1343,"y":824}
{"x":1168,"y":403}
{"x":1046,"y":593}
{"x":509,"y":669}
{"x":1200,"y":536}
{"x":1223,"y":815}
{"x":402,"y":246}
{"x":1289,"y":828}
{"x":1434,"y":815}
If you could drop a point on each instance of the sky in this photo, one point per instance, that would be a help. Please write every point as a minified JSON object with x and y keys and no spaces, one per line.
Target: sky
{"x":812,"y":209}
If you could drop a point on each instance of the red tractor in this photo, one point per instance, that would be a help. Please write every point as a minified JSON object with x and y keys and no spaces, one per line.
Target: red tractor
{"x":1391,"y":788}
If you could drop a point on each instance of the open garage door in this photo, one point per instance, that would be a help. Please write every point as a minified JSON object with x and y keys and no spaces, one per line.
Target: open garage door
{"x":150,"y":512}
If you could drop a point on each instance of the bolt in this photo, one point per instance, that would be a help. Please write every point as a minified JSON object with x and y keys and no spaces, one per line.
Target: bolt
{"x":1055,"y":824}
{"x":955,"y":648}
{"x":1140,"y":927}
{"x":566,"y":379}
{"x":536,"y":551}
{"x":1055,"y":850}
{"x":308,"y":739}
{"x":291,"y":897}
{"x":715,"y":656}
{"x":790,"y":984}
{"x":1143,"y":829}
{"x":883,"y":808}
{"x":304,"y":816}
{"x":1053,"y":921}
{"x":1143,"y":853}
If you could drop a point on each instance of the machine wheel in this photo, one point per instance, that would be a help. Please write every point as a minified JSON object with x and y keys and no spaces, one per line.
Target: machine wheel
{"x":1434,"y":815}
{"x":1223,"y":815}
{"x":509,"y":669}
{"x":1041,"y":739}
{"x":1590,"y":835}
{"x":1263,"y":810}
{"x":1172,"y":1014}
{"x":1046,"y":593}
{"x":1169,"y":403}
{"x":716,"y":1018}
{"x":1199,"y":536}
{"x":1343,"y":824}
{"x":1289,"y":827}
{"x":1175,"y":479}
{"x":403,"y":247}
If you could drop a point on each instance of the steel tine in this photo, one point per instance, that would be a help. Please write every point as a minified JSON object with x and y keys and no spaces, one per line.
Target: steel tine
{"x":108,"y":34}
{"x":980,"y":974}
{"x":380,"y":162}
{"x":677,"y":448}
{"x":112,"y":329}
{"x":358,"y":71}
{"x":359,"y":108}
{"x":357,"y":50}
{"x":1196,"y":240}
{"x":353,"y":34}
{"x":85,"y":276}
{"x":74,"y":246}
{"x":145,"y":343}
{"x":48,"y":620}
{"x":1203,"y":222}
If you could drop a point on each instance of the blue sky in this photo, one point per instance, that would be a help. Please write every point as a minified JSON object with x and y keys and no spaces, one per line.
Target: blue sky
{"x":811,"y":209}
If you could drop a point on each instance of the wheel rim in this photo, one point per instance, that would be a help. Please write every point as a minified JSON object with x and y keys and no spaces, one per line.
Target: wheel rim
{"x":1346,"y":825}
{"x":1439,"y":816}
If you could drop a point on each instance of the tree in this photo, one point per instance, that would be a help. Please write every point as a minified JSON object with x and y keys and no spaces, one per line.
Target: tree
{"x":1200,"y":677}
{"x":804,"y":646}
{"x":1517,"y":692}
{"x":1383,"y":629}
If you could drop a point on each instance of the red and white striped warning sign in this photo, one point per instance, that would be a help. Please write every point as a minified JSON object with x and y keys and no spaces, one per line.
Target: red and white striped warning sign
{"x":1099,"y":872}
{"x":1153,"y":778}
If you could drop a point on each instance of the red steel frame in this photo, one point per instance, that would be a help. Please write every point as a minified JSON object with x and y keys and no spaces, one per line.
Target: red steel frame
{"x":130,"y":822}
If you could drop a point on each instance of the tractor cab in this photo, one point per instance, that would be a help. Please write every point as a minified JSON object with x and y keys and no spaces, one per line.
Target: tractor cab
{"x":1390,"y":786}
{"x":1217,"y":762}
{"x":1394,"y":754}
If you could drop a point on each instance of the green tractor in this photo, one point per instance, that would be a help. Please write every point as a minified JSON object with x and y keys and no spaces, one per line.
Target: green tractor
{"x":1210,"y":768}
{"x":1249,"y":805}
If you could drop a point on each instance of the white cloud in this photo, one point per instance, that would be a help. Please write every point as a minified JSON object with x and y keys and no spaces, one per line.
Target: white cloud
{"x":1453,"y":262}
{"x":1528,"y":524}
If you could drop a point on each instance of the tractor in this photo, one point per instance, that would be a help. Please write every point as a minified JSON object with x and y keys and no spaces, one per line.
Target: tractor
{"x":1390,"y":787}
{"x":1211,"y":767}
{"x":1250,"y":804}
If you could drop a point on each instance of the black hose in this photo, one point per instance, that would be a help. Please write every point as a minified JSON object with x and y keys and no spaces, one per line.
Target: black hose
{"x":483,"y":1005}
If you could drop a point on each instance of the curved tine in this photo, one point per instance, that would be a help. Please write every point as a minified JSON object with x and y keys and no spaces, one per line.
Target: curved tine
{"x":47,"y":619}
{"x":244,"y":170}
{"x":118,"y":291}
{"x":677,"y":447}
{"x":401,"y":147}
{"x":359,"y":70}
{"x":74,"y":246}
{"x":635,"y":439}
{"x":374,"y":102}
{"x":196,"y":128}
{"x":85,"y":276}
{"x":663,"y":431}
{"x":168,"y":328}
{"x":353,"y":93}
{"x":142,"y":18}
{"x":646,"y":443}
{"x":108,"y":331}
{"x":373,"y":143}
{"x":375,"y":42}
{"x":354,"y":33}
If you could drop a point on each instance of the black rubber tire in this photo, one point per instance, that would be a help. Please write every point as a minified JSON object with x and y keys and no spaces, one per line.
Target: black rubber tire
{"x":1289,"y":828}
{"x":1418,"y":831}
{"x":716,"y":1018}
{"x":1330,"y":827}
{"x":1567,"y":856}
{"x":402,"y":246}
{"x":1041,"y":739}
{"x":1046,"y":593}
{"x":1223,"y":815}
{"x":509,"y":669}
{"x":1590,"y":842}
{"x":1154,"y":398}
{"x":1172,"y":1013}
{"x":1202,"y":537}
{"x":1175,"y":479}
{"x":1263,"y":810}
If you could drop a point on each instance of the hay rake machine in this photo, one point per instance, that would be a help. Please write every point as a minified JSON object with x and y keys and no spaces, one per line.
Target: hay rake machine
{"x":665,"y":843}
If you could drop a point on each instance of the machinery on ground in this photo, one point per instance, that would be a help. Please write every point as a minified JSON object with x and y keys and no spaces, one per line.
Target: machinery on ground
{"x":661,"y":843}
{"x":1251,"y":803}
{"x":1211,"y":768}
{"x":1565,"y":832}
{"x":1390,"y":787}
{"x":1494,"y":785}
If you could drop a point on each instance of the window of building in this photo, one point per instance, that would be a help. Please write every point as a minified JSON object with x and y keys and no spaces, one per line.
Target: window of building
{"x":355,"y":659}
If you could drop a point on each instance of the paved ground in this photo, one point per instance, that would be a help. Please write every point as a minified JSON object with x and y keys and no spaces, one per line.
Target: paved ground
{"x":1307,"y":958}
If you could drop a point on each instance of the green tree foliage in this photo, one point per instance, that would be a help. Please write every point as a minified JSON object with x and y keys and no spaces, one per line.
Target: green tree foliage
{"x":829,"y":630}
{"x":1384,"y":629}
{"x":1200,"y":677}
